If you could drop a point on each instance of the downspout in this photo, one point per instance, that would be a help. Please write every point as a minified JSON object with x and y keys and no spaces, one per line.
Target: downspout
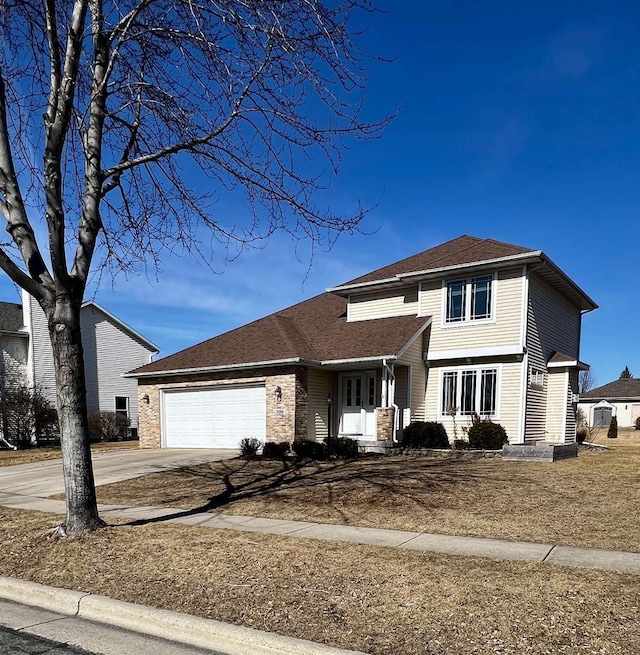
{"x":396,"y":409}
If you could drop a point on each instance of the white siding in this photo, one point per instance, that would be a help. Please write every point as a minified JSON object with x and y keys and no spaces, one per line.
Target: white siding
{"x":14,"y":358}
{"x":413,"y":357}
{"x":109,"y":352}
{"x":503,"y":330}
{"x":320,"y":385}
{"x":44,"y":375}
{"x":383,"y":304}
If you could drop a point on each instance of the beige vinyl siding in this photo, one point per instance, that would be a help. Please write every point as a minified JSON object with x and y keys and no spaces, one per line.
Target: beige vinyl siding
{"x":535,"y":413}
{"x":508,"y":399}
{"x":553,"y":323}
{"x":413,"y":357}
{"x":557,"y":383}
{"x":570,"y":423}
{"x":383,"y":304}
{"x":110,"y":352}
{"x":503,"y":330}
{"x":320,"y":385}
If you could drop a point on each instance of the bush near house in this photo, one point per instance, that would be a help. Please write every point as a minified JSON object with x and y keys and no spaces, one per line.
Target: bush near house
{"x":342,"y":447}
{"x":461,"y":444}
{"x":487,"y":435}
{"x":27,"y":418}
{"x":309,"y":449}
{"x":612,"y":432}
{"x":108,"y":426}
{"x":249,"y":447}
{"x":429,"y":434}
{"x":273,"y":450}
{"x":638,"y":423}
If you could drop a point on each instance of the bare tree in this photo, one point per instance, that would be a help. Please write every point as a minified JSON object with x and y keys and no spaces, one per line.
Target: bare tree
{"x":120,"y":122}
{"x":586,"y":381}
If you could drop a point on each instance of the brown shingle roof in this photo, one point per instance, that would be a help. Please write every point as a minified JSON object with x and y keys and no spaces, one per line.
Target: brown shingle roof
{"x":463,"y":250}
{"x":313,"y":330}
{"x":623,"y":388}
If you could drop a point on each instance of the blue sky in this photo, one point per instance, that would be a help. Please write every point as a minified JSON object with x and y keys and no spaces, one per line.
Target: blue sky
{"x":518,"y":121}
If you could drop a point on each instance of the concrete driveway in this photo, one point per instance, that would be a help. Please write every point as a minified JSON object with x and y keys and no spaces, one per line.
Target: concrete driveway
{"x":45,"y":478}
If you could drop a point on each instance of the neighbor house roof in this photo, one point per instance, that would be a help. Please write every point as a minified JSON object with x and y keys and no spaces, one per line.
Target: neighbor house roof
{"x":623,"y":388}
{"x":313,"y":331}
{"x":11,"y":317}
{"x":461,"y":256}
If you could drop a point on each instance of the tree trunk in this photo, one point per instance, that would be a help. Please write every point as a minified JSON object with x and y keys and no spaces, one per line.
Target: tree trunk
{"x":64,"y":329}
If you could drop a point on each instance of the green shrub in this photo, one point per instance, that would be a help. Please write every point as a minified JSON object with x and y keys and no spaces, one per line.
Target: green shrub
{"x":612,"y":432}
{"x":342,"y":447}
{"x":108,"y":426}
{"x":461,"y":444}
{"x":272,"y":450}
{"x":309,"y":449}
{"x":486,"y":435}
{"x":421,"y":434}
{"x":249,"y":447}
{"x":638,"y":423}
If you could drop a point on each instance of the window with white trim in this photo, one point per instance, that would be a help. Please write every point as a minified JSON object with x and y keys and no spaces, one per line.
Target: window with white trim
{"x":122,"y":405}
{"x":469,"y":300}
{"x":536,"y":378}
{"x":470,"y":390}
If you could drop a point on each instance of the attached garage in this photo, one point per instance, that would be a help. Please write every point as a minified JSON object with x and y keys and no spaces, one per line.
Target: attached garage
{"x":213,"y":417}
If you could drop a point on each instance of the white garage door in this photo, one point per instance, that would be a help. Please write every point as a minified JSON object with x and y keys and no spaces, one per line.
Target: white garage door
{"x":213,"y":418}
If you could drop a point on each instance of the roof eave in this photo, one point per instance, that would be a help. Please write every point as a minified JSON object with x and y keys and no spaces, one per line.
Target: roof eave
{"x":214,"y":369}
{"x":345,"y":289}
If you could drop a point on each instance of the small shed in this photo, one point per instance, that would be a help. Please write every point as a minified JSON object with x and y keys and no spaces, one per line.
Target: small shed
{"x":620,"y":398}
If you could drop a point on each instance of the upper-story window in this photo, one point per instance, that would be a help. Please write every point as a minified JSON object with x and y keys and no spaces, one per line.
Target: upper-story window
{"x":469,"y":299}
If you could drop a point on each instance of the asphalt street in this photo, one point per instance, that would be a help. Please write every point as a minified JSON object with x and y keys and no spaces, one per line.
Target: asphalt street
{"x":13,"y":642}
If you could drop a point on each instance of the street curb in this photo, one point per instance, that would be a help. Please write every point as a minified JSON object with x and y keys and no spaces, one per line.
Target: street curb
{"x":165,"y":624}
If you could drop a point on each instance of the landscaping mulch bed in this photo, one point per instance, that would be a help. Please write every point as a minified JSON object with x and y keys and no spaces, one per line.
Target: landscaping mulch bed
{"x":592,"y":500}
{"x":378,"y":600}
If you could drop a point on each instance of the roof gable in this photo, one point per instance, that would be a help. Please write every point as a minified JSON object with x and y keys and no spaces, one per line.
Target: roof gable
{"x":462,"y":250}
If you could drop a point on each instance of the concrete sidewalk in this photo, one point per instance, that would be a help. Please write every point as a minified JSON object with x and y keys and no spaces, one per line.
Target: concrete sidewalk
{"x":611,"y":560}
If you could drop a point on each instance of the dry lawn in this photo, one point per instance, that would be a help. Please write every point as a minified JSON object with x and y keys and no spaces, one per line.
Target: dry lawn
{"x":12,"y":457}
{"x":378,"y":600}
{"x":592,"y":501}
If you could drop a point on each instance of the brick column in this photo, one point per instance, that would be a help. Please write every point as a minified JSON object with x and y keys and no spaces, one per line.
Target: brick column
{"x":384,"y":423}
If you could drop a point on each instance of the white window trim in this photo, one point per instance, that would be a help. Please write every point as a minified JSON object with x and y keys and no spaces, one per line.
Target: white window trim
{"x":535,"y":375}
{"x":117,"y":411}
{"x":468,"y":294}
{"x":458,"y":370}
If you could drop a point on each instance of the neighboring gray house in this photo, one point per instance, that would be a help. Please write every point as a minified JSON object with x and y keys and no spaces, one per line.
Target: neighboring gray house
{"x":111,"y":348}
{"x":620,"y":398}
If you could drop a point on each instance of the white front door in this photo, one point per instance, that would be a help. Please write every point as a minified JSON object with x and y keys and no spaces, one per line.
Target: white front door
{"x":358,"y":405}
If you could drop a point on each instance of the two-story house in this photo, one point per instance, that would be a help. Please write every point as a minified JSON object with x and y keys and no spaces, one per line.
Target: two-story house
{"x":111,"y":348}
{"x":472,"y":326}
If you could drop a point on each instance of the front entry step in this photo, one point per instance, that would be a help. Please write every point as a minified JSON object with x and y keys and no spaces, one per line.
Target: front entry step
{"x":373,"y":446}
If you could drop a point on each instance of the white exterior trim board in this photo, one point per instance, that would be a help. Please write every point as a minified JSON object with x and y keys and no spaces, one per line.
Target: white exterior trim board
{"x":466,"y":353}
